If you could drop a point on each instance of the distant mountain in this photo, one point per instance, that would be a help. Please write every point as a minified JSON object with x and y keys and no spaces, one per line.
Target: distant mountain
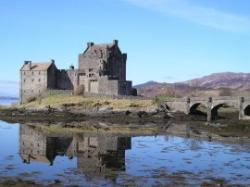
{"x":211,"y":84}
{"x":149,"y":83}
{"x":240,"y":81}
{"x":8,"y":98}
{"x":9,"y":88}
{"x":151,"y":89}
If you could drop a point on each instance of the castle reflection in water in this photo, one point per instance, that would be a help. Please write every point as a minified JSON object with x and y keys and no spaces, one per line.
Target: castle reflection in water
{"x":96,"y":154}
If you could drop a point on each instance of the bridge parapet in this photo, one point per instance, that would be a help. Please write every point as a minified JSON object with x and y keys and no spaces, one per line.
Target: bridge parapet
{"x":198,"y":98}
{"x":183,"y":99}
{"x":246,"y":99}
{"x":225,"y":98}
{"x":194,"y":99}
{"x":189,"y":104}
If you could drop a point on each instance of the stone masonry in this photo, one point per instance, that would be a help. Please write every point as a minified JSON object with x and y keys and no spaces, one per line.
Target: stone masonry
{"x":212,"y":105}
{"x":97,"y":155}
{"x":102,"y":71}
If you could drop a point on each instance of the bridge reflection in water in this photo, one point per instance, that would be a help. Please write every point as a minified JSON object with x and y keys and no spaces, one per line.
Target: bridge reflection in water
{"x":96,"y":154}
{"x":212,"y":105}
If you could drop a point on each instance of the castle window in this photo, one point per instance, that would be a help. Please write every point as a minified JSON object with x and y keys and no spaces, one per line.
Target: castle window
{"x":24,"y":80}
{"x":39,"y":73}
{"x":24,"y":73}
{"x":32,"y":80}
{"x":32,"y":73}
{"x":39,"y":80}
{"x":90,"y":70}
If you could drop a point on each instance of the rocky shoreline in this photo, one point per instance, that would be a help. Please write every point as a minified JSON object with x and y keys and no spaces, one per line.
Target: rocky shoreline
{"x":158,"y":121}
{"x":58,"y":115}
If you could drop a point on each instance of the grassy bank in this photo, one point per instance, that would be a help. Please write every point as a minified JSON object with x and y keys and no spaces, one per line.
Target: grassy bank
{"x":95,"y":128}
{"x":58,"y":101}
{"x":2,"y":107}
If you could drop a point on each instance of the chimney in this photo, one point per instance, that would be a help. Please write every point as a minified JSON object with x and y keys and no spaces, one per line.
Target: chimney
{"x":28,"y":62}
{"x":52,"y":61}
{"x":71,"y":67}
{"x":90,"y":44}
{"x":124,"y":56}
{"x":115,"y":42}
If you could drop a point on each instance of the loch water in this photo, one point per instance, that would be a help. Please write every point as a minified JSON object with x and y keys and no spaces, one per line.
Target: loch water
{"x":96,"y":159}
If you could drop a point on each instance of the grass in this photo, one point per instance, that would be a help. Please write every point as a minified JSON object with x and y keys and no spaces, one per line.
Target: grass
{"x":3,"y":107}
{"x":125,"y":130}
{"x":161,"y":98}
{"x":87,"y":102}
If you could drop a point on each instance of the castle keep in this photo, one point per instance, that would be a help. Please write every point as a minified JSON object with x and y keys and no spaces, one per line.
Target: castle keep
{"x":102,"y":71}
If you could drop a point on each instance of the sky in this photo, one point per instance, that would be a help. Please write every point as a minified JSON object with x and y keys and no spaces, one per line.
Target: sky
{"x":166,"y":40}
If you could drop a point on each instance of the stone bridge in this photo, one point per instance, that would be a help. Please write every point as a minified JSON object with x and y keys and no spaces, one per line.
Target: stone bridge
{"x":212,"y":104}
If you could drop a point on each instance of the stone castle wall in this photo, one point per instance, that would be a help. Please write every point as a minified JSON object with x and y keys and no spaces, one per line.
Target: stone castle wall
{"x":108,"y":87}
{"x":102,"y":70}
{"x":32,"y":142}
{"x":33,"y":83}
{"x":66,"y":79}
{"x":36,"y":83}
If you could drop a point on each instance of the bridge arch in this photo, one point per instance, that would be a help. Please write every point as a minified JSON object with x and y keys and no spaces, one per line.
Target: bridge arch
{"x":193,"y":109}
{"x":247,"y":110}
{"x":215,"y":109}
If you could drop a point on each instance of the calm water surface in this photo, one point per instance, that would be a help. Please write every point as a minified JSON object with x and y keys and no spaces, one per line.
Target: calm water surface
{"x":8,"y":101}
{"x":104,"y":160}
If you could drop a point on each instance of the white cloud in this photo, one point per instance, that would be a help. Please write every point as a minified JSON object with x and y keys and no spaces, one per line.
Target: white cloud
{"x":197,"y":14}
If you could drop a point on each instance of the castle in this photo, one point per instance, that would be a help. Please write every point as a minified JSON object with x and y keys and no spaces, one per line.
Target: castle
{"x":97,"y":155}
{"x":102,"y":71}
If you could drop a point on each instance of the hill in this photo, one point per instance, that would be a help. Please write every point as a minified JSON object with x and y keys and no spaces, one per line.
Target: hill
{"x":239,"y":81}
{"x":213,"y":84}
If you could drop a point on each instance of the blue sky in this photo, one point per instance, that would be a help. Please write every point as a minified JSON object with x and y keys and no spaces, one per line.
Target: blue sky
{"x":166,"y":40}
